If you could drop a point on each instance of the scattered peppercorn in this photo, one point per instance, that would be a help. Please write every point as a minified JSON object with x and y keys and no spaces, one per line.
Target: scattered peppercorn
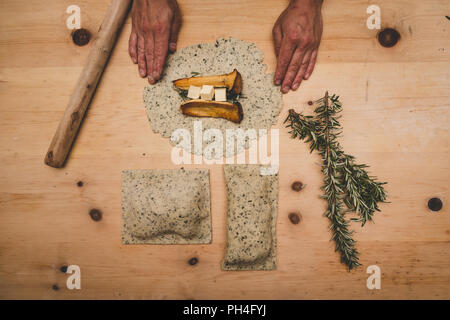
{"x":435,"y":204}
{"x":81,"y":37}
{"x":388,"y":37}
{"x":294,"y":217}
{"x":95,"y":214}
{"x":297,"y":186}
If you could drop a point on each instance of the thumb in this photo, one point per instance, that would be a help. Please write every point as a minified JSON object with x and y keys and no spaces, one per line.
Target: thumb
{"x":175,"y":29}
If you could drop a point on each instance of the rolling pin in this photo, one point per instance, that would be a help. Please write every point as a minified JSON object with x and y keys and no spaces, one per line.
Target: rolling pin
{"x":87,"y":83}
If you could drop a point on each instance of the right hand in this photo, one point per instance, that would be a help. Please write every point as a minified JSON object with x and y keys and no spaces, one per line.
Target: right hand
{"x":155,"y":27}
{"x":296,"y":36}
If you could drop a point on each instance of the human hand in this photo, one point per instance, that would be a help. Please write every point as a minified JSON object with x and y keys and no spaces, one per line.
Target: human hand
{"x":155,"y":27}
{"x":296,"y":36}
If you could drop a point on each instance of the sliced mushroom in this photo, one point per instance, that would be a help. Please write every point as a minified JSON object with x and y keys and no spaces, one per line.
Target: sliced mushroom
{"x":214,"y":109}
{"x":232,"y":81}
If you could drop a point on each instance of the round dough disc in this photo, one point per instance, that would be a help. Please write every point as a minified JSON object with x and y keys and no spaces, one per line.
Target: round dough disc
{"x":261,"y":100}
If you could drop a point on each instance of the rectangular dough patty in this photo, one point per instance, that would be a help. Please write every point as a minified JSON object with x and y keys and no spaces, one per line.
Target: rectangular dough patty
{"x":251,"y":218}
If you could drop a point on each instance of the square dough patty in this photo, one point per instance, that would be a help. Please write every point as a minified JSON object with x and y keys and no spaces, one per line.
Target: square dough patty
{"x":166,"y":207}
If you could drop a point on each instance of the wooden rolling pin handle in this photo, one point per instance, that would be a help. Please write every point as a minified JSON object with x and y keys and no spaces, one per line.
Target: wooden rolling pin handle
{"x":87,"y":83}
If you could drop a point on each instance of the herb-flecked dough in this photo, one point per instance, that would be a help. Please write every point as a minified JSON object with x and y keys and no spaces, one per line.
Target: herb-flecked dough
{"x":261,"y":99}
{"x":166,"y":206}
{"x":251,"y":218}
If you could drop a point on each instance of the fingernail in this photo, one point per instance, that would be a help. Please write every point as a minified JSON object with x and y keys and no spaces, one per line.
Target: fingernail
{"x":277,"y":82}
{"x":285,"y":89}
{"x":151,"y":80}
{"x":306,"y":76}
{"x":142,"y":72}
{"x":295,"y":86}
{"x":155,"y":75}
{"x":173,"y":46}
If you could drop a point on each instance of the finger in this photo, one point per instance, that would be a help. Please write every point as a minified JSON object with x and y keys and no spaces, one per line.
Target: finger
{"x":161,"y":34}
{"x":301,"y":71}
{"x":149,"y":56}
{"x":141,"y":57}
{"x":175,"y":29}
{"x":311,"y":65}
{"x":277,"y":36}
{"x":286,"y":50}
{"x":132,"y":46}
{"x":292,"y":70}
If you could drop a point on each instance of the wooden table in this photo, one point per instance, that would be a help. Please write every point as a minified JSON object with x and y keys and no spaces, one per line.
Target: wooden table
{"x":396,"y":116}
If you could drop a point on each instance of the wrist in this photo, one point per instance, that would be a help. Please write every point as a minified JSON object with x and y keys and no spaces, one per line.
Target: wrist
{"x":305,"y":3}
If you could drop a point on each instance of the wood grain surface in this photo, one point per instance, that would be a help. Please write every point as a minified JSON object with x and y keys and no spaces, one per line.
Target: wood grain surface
{"x":396,"y":119}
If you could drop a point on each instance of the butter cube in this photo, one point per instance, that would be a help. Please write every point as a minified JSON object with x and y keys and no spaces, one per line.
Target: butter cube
{"x":220,"y":94}
{"x":207,"y":92}
{"x":194,"y":92}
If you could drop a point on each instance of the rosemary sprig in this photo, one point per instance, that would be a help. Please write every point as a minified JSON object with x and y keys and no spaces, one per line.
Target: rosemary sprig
{"x":183,"y":94}
{"x":345,"y":182}
{"x":234,"y":97}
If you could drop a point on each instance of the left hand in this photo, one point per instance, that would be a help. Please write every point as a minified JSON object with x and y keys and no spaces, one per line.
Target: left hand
{"x":296,"y":36}
{"x":154,"y":32}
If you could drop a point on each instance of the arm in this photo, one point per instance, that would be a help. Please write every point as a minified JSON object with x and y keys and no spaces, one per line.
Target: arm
{"x":155,"y":27}
{"x":296,"y":36}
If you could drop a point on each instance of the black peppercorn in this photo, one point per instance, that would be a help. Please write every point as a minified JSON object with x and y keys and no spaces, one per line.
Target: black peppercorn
{"x":81,"y":37}
{"x":95,"y":214}
{"x":294,"y":218}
